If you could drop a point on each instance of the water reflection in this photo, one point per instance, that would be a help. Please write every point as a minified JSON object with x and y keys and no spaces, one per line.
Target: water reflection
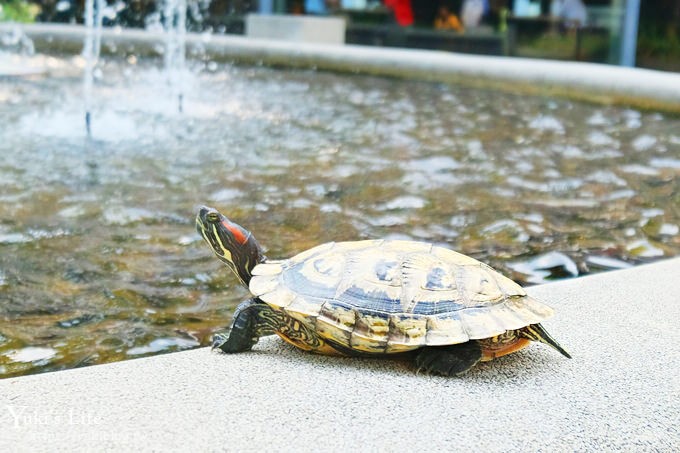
{"x":98,"y":256}
{"x":541,"y":268}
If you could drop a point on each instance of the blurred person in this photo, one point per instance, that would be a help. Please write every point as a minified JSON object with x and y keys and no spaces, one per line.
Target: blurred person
{"x":472,"y":12}
{"x":572,"y":12}
{"x":297,"y":8}
{"x":403,"y":13}
{"x":315,"y":7}
{"x":265,"y":6}
{"x":446,"y":20}
{"x":353,"y":4}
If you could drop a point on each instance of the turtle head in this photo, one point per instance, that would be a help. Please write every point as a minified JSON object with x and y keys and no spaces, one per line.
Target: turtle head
{"x":234,"y":245}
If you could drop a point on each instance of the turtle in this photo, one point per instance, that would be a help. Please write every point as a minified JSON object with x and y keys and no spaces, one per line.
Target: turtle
{"x":385,"y":297}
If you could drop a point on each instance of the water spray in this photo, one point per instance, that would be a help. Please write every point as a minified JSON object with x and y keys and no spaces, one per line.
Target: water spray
{"x":174,"y":25}
{"x":91,"y":48}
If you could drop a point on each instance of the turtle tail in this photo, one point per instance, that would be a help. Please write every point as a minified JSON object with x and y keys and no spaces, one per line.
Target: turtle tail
{"x":536,"y":332}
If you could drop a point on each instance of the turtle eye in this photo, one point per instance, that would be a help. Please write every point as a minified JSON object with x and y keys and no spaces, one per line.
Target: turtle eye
{"x":212,"y":217}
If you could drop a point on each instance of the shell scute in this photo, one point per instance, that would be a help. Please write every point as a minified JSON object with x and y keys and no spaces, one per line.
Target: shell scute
{"x":371,"y":332}
{"x":478,"y":284}
{"x":268,"y":268}
{"x":446,"y":329}
{"x":304,"y":308}
{"x":507,"y":286}
{"x":406,"y":332}
{"x":480,"y":323}
{"x":530,"y":309}
{"x":336,"y":322}
{"x":280,"y":297}
{"x":263,"y":284}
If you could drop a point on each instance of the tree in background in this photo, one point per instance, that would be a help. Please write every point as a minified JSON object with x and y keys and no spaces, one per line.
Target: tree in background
{"x":17,"y":11}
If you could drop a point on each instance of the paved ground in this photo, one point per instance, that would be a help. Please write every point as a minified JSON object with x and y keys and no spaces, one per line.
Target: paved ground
{"x":620,"y":392}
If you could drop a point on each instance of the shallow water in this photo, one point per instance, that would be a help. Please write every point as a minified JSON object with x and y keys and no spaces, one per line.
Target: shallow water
{"x":99,"y":259}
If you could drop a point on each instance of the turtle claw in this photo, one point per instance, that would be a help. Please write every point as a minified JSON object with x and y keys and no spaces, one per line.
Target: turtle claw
{"x":219,"y":339}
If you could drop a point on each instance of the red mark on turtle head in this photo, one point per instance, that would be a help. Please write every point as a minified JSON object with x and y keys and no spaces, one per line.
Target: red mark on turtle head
{"x":236,"y":231}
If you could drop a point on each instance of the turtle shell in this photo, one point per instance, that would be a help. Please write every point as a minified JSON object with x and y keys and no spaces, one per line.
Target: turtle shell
{"x":388,"y":296}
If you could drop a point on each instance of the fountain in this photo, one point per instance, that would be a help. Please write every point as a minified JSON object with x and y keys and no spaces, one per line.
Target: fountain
{"x":105,"y":265}
{"x":175,"y":29}
{"x":91,"y":48}
{"x":174,"y":26}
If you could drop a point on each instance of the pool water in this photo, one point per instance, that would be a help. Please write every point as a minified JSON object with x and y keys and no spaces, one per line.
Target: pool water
{"x":99,"y":258}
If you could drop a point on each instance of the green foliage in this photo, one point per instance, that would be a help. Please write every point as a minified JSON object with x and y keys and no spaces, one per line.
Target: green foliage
{"x":592,"y":47}
{"x":655,"y":41}
{"x":659,"y":33}
{"x":17,"y":11}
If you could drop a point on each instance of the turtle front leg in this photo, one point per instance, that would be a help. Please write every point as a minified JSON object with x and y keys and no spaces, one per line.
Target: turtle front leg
{"x":253,"y":319}
{"x":452,"y":360}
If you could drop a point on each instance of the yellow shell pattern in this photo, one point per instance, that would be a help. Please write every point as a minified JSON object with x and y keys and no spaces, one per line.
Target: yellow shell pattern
{"x":389,"y":296}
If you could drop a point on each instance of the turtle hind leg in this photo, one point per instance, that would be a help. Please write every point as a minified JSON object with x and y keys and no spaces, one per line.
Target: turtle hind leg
{"x":253,"y":319}
{"x":451,"y":360}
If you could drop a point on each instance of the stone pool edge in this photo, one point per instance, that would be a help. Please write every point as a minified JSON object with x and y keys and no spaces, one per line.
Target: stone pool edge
{"x":613,"y":395}
{"x":606,"y":84}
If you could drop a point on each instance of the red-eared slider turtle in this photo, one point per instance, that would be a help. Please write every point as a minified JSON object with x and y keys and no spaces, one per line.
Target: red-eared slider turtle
{"x":376,"y":297}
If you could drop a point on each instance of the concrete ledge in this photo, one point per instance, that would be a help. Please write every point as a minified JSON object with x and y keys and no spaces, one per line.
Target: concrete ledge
{"x":587,"y":81}
{"x":620,"y":392}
